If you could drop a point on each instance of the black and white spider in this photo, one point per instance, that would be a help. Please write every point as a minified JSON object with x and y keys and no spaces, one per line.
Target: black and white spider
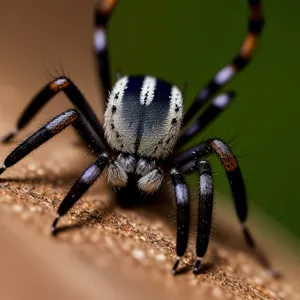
{"x":144,"y":129}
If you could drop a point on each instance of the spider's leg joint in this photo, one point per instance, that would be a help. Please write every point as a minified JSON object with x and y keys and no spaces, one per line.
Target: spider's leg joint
{"x":53,"y":227}
{"x":2,"y":169}
{"x":174,"y":270}
{"x":100,"y":39}
{"x":197,"y":265}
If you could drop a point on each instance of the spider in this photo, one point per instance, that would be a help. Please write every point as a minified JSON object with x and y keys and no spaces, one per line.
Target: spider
{"x":144,"y":129}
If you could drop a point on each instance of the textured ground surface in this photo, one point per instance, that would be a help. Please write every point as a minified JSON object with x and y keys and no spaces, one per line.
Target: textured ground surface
{"x":106,"y":250}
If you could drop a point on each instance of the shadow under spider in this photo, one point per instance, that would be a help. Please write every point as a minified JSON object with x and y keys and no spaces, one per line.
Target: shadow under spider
{"x":63,"y":180}
{"x":92,"y":218}
{"x":155,"y":207}
{"x":204,"y":267}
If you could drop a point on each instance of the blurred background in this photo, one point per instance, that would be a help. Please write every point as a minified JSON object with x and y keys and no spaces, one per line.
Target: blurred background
{"x":181,"y":43}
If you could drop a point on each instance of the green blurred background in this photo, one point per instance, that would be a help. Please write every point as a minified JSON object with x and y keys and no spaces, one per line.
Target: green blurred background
{"x":182,"y":42}
{"x":188,"y":41}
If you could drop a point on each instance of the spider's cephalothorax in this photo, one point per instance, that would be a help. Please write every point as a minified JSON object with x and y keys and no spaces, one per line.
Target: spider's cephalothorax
{"x":143,"y":133}
{"x":143,"y":116}
{"x":143,"y":121}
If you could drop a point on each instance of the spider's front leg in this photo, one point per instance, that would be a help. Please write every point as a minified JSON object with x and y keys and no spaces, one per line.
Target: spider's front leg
{"x":187,"y":162}
{"x":183,"y":215}
{"x":52,"y":128}
{"x":205,"y":209}
{"x":204,"y":215}
{"x":84,"y":182}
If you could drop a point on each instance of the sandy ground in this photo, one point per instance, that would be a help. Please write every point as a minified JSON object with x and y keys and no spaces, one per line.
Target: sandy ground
{"x":116,"y":253}
{"x":105,"y":251}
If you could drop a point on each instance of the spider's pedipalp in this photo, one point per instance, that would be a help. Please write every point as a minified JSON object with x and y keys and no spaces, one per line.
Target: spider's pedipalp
{"x":116,"y":175}
{"x":151,"y":182}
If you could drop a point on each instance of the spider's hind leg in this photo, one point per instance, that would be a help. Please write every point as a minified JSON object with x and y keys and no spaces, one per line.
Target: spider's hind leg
{"x":101,"y":18}
{"x":45,"y":95}
{"x":212,"y":111}
{"x":238,"y":63}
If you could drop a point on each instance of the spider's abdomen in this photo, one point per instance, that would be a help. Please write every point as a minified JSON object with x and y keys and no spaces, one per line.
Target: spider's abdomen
{"x":143,"y":116}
